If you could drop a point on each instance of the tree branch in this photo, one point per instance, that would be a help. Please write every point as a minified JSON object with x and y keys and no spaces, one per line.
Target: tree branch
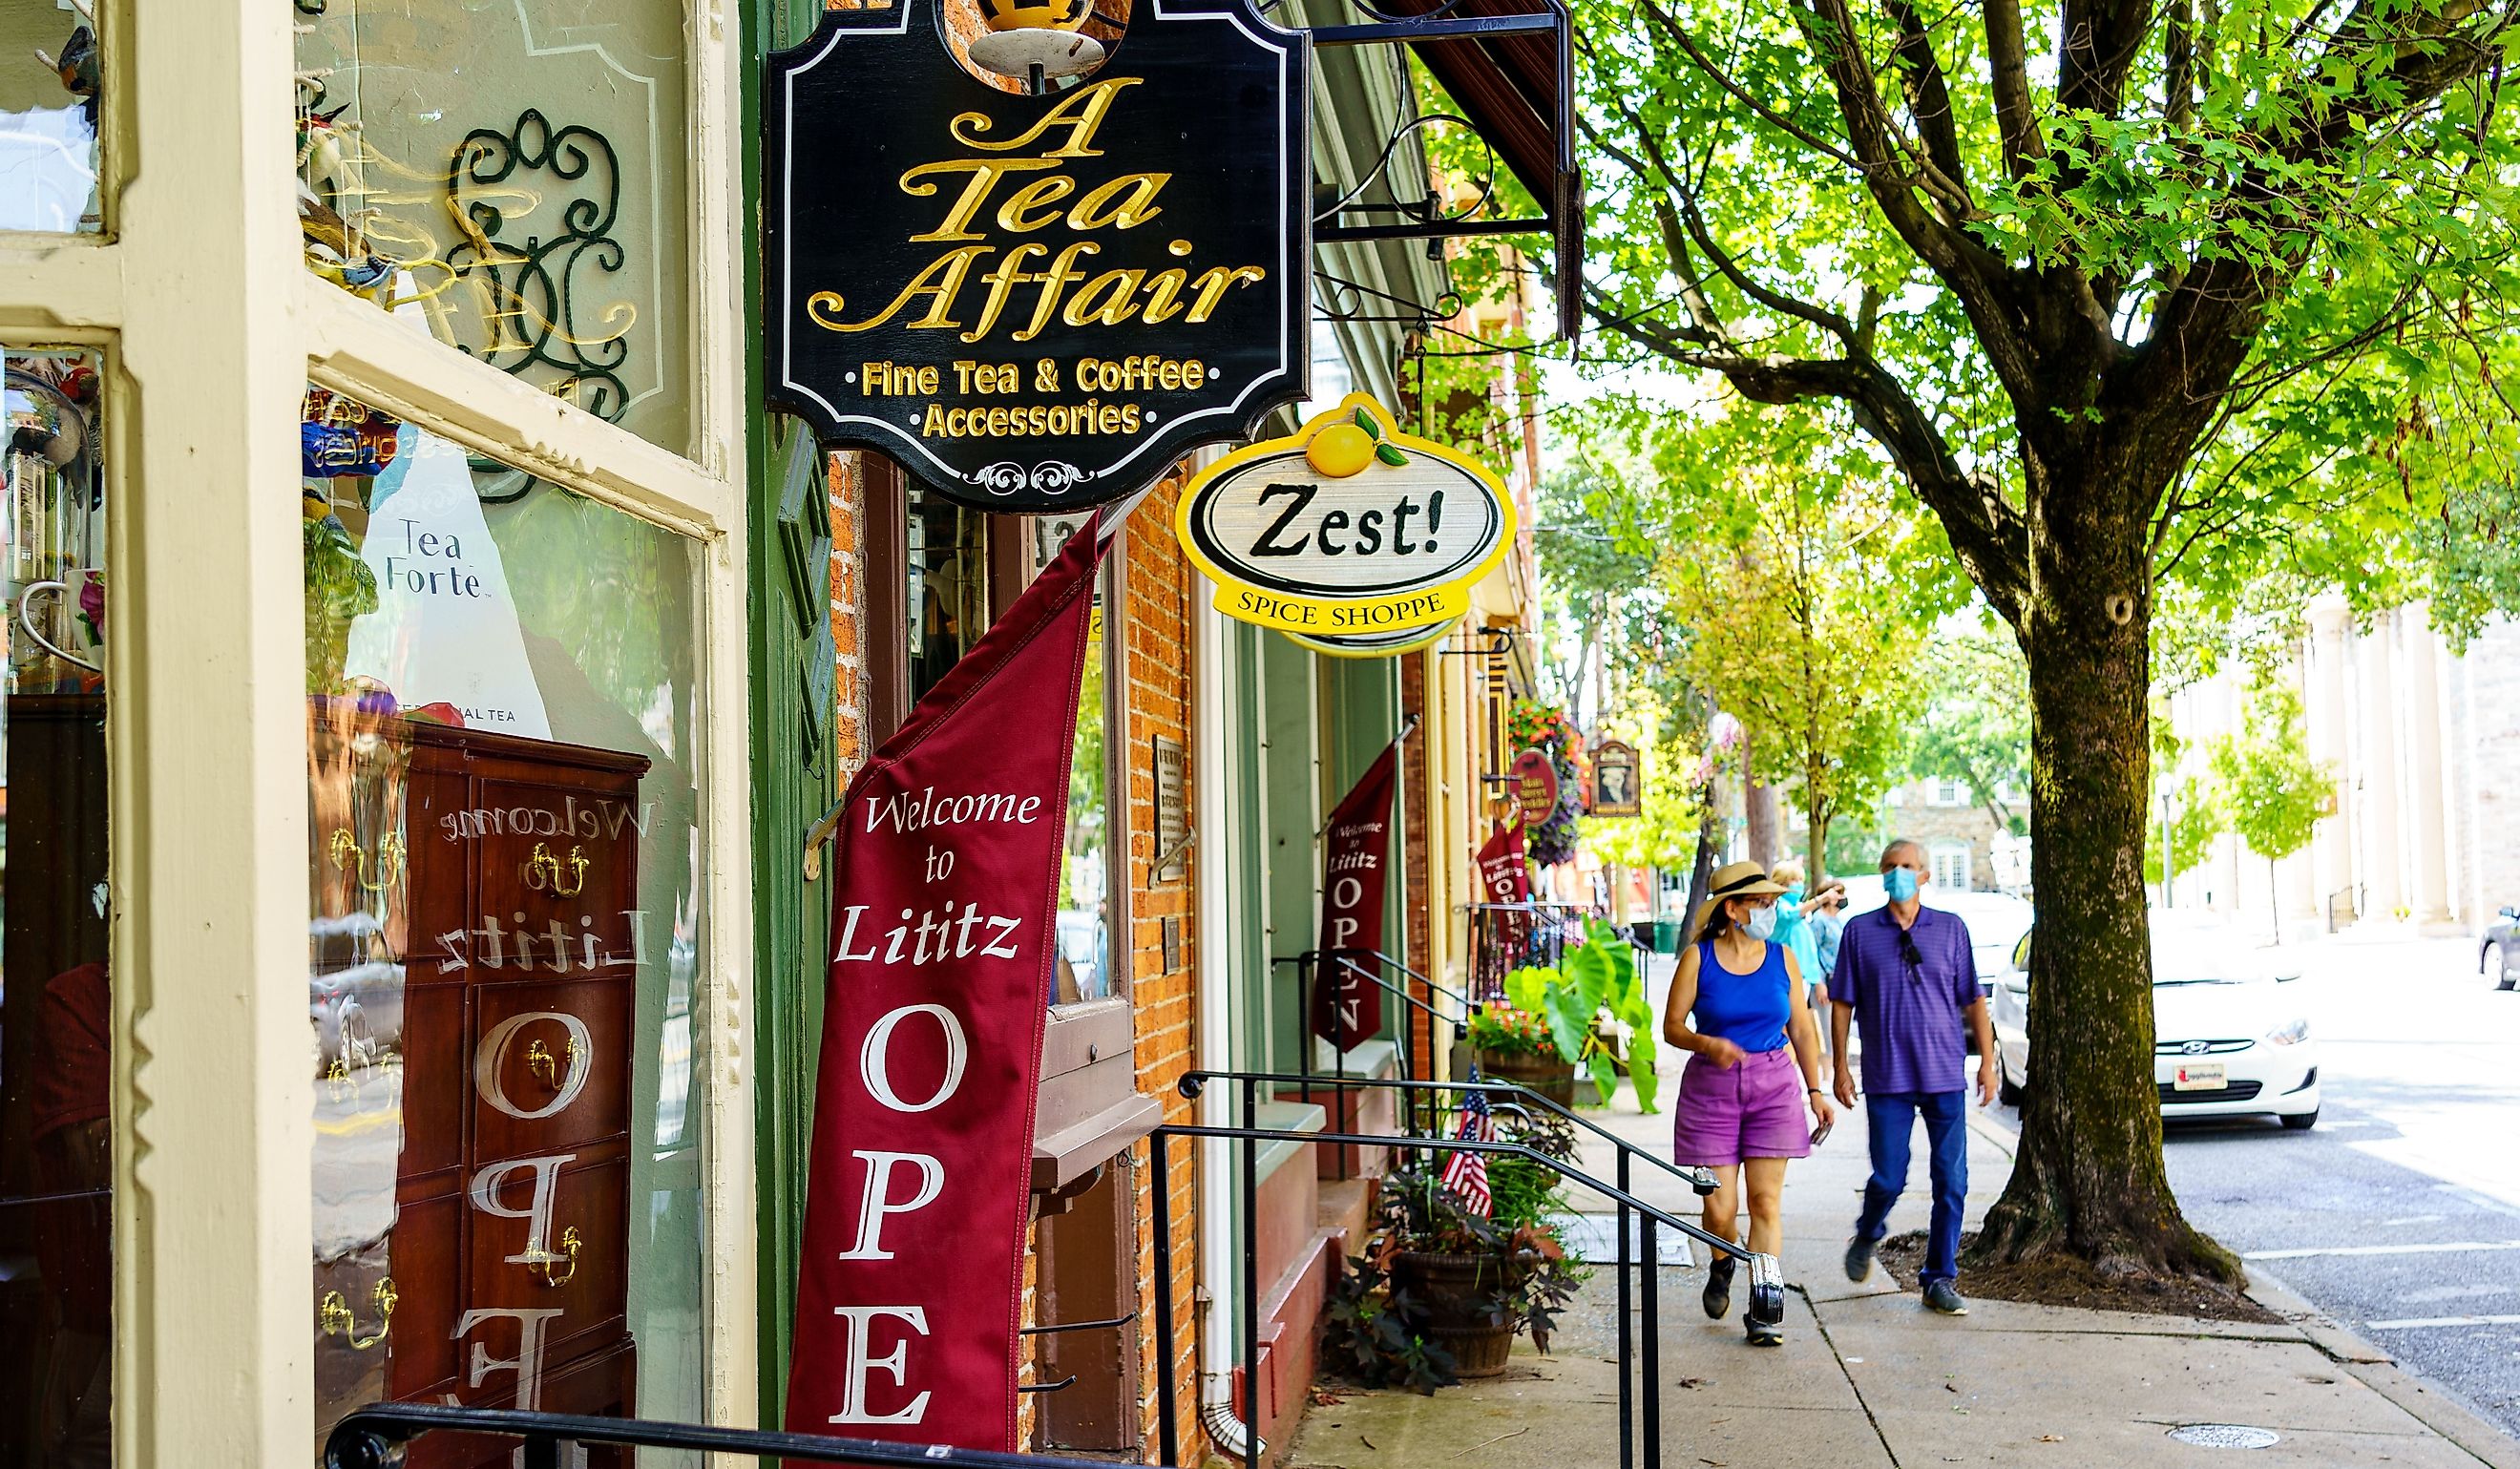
{"x":1929,"y":95}
{"x":2101,"y":40}
{"x":2009,"y":69}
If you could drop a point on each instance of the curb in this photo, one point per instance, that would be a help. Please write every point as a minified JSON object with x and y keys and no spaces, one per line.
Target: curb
{"x":2006,"y":1141}
{"x":2316,"y":1326}
{"x":2377,"y":1370}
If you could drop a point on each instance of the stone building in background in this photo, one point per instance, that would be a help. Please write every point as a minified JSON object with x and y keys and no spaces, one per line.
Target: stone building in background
{"x":2424,"y":746}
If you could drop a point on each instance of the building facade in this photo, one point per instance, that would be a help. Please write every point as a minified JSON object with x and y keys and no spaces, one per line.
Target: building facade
{"x":518,"y":763}
{"x":2422,"y":744}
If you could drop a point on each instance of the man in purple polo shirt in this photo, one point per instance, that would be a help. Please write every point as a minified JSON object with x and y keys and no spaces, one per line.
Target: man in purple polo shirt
{"x":1906,"y":975}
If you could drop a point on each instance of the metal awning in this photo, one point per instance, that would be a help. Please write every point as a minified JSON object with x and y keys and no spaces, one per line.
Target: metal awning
{"x":1510,"y":66}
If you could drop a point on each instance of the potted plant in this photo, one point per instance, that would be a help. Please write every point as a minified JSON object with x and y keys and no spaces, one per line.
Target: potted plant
{"x":1590,"y":1008}
{"x":1443,"y":1289}
{"x":1515,"y":1046}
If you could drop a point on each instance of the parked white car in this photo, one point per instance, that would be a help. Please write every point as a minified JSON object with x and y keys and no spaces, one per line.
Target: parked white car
{"x":2230,"y":1036}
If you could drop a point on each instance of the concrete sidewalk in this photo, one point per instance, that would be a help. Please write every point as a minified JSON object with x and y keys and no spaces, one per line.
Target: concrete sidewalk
{"x":1867,"y":1377}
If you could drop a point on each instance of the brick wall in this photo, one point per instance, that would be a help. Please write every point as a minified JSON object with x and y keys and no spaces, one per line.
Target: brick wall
{"x":1158,"y":586}
{"x":848,"y":588}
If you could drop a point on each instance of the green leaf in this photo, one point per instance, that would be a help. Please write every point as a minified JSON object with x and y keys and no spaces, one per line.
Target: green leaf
{"x":1606,"y":1076}
{"x":1390,"y":454}
{"x":1525,"y":989}
{"x":1568,"y":1021}
{"x":1365,"y":420}
{"x":1588,"y":970}
{"x":1641,"y":1070}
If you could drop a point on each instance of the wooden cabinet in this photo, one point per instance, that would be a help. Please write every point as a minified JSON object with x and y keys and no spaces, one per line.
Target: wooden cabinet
{"x":475,"y":945}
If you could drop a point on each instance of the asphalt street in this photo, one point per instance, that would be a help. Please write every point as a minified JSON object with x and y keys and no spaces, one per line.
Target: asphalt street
{"x":2399,"y":1213}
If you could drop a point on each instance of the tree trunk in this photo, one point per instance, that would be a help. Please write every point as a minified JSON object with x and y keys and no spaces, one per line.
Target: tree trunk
{"x":1710,"y":832}
{"x":2087,"y":1180}
{"x":1818,"y":815}
{"x":1758,"y":812}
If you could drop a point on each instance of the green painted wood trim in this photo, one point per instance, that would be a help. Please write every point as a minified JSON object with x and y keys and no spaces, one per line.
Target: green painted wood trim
{"x":792,"y":785}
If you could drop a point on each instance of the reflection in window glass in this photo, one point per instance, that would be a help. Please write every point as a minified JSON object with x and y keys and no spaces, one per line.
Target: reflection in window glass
{"x":518,"y":168}
{"x":504,"y":930}
{"x":56,"y":1002}
{"x":49,"y":85}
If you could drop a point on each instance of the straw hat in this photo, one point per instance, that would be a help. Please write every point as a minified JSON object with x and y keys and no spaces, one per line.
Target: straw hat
{"x":1736,"y":879}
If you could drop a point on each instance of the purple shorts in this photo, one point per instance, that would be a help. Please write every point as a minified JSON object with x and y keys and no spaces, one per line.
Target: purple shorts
{"x":1752,"y":1109}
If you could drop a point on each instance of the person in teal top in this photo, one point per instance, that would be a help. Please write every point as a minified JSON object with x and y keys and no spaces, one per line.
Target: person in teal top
{"x":1793,"y":928}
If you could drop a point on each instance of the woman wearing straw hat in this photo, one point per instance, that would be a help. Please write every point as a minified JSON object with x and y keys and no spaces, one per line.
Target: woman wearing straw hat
{"x":1738,"y":1004}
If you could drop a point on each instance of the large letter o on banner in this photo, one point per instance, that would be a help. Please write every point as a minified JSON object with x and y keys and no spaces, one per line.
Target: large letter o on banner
{"x":871,"y":1058}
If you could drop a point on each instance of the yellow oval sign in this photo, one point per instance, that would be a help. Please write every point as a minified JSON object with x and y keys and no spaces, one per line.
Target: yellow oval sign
{"x":1347,"y":529}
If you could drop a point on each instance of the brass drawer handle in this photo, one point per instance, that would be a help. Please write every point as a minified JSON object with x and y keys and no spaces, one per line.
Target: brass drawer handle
{"x":546,"y":1067}
{"x":390,"y":852}
{"x":544,"y":1260}
{"x":543,"y":861}
{"x":334,"y":1316}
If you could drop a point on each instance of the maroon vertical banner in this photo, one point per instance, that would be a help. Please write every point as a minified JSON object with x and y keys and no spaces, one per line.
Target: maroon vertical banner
{"x":1505,"y":875}
{"x":1504,"y":867}
{"x":1356,"y":856}
{"x":943,"y":914}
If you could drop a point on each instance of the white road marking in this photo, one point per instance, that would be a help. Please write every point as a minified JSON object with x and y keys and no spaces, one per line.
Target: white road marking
{"x":2411,"y":1219}
{"x":2418,"y":1323}
{"x":2444,"y":1249}
{"x":2434,"y":1293}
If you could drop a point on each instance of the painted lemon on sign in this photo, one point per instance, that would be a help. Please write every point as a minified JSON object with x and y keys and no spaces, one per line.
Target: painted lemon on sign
{"x":1340,"y":449}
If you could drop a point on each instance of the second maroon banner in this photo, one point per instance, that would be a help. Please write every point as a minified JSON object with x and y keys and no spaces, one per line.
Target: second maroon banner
{"x":1355,"y":858}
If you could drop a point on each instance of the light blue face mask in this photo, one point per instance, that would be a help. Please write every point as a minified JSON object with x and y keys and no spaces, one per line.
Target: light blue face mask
{"x":1761,"y":924}
{"x":1898,"y":884}
{"x":1791,"y":896}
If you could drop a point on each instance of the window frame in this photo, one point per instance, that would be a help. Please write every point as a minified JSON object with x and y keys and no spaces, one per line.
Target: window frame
{"x":199,"y":304}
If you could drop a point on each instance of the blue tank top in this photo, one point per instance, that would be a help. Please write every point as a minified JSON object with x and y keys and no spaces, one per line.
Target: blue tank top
{"x":1748,"y":1009}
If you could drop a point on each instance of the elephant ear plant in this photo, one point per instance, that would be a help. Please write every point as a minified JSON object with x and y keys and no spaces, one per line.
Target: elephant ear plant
{"x":1597,"y":978}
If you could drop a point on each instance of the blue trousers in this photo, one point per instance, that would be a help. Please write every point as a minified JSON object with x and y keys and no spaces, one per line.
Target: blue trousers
{"x":1890,"y":1120}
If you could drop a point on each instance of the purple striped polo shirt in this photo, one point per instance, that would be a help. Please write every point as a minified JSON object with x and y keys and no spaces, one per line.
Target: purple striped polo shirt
{"x":1910,"y":1017}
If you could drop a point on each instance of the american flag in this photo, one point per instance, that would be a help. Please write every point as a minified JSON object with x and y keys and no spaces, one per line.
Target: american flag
{"x":1465,"y":1173}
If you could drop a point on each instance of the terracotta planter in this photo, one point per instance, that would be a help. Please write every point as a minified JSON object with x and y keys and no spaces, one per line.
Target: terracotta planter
{"x":1450,"y":1290}
{"x":1548,"y":1075}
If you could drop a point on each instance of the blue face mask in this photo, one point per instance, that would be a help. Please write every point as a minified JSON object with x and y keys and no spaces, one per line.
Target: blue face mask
{"x":1761,"y":924}
{"x":1791,"y":896}
{"x":1898,"y":884}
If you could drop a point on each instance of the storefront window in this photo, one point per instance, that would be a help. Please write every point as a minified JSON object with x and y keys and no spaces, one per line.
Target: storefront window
{"x":520,"y":168}
{"x":49,"y":94}
{"x":56,"y":1000}
{"x":505,"y":927}
{"x":947,"y":584}
{"x":1087,"y":890}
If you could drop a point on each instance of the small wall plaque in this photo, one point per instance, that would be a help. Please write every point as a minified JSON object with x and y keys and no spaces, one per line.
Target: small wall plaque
{"x":1172,"y":812}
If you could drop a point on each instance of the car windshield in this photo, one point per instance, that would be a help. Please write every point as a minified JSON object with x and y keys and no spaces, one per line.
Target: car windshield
{"x":2187,"y":959}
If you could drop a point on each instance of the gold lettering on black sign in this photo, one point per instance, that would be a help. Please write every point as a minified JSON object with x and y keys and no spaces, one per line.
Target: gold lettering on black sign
{"x":988,"y":199}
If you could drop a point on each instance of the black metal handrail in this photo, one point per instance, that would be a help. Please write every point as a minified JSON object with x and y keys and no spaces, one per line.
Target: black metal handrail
{"x":1438,"y":986}
{"x":1307,"y":965}
{"x":1700,"y":1181}
{"x":1767,"y":1285}
{"x":1542,"y":938}
{"x":372,"y":1437}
